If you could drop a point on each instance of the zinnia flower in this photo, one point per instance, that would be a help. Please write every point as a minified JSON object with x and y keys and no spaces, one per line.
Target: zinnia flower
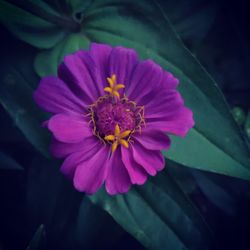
{"x":111,"y":116}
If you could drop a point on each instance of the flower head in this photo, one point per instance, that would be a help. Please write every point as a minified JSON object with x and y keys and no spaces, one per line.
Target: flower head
{"x":111,"y":116}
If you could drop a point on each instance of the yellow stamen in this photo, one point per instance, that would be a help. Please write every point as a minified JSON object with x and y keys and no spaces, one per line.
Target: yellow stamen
{"x":125,"y":133}
{"x":114,"y":146}
{"x":116,"y":94}
{"x":118,"y":138}
{"x":119,"y":86}
{"x":111,"y":82}
{"x":124,"y":143}
{"x":117,"y":130}
{"x":109,"y":137}
{"x":108,"y":89}
{"x":113,"y":87}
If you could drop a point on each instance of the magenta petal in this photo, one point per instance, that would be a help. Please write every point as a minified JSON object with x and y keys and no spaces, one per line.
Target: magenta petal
{"x":118,"y":180}
{"x":168,"y":82}
{"x":77,"y":70}
{"x":146,"y":76}
{"x":62,"y":149}
{"x":54,"y":96}
{"x":100,"y":55}
{"x":162,"y":104}
{"x":136,"y":173}
{"x":160,"y":91}
{"x":177,"y":122}
{"x":153,"y":140}
{"x":75,"y":159}
{"x":122,"y":63}
{"x":90,"y":174}
{"x":151,"y":161}
{"x":69,"y":129}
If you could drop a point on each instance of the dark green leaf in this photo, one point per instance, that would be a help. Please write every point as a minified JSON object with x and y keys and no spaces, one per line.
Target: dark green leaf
{"x":43,"y":23}
{"x":17,"y":83}
{"x":197,"y":151}
{"x":239,"y":115}
{"x":216,"y":193}
{"x":51,"y":198}
{"x":158,"y":214}
{"x":29,"y":25}
{"x":69,"y":45}
{"x":38,"y":240}
{"x":7,"y":163}
{"x":247,"y":125}
{"x":191,"y":19}
{"x":93,"y":223}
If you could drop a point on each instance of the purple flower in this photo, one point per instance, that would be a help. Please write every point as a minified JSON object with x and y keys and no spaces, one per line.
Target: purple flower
{"x":111,"y":115}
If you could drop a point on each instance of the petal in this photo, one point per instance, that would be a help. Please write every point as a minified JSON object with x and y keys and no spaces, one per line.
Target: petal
{"x":100,"y":55}
{"x":54,"y":96}
{"x":62,"y":149}
{"x":163,"y":103}
{"x":69,"y":129}
{"x":122,"y":63}
{"x":117,"y":181}
{"x":136,"y":173}
{"x":146,"y":76}
{"x":178,"y":122}
{"x":73,"y":160}
{"x":151,"y":161}
{"x":165,"y":87}
{"x":91,"y":173}
{"x":168,"y":81}
{"x":78,"y":71}
{"x":153,"y":140}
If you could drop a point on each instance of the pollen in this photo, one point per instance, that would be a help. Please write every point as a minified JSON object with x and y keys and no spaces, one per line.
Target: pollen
{"x":118,"y":138}
{"x":113,"y":86}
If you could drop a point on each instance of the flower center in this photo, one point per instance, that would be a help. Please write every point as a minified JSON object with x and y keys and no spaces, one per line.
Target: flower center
{"x":114,"y":120}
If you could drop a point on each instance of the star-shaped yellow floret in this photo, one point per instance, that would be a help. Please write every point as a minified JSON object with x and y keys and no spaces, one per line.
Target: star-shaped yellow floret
{"x":113,"y":87}
{"x":118,"y":138}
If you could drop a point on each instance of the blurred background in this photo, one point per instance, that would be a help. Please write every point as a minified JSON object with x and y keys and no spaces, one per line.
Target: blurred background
{"x":39,"y":209}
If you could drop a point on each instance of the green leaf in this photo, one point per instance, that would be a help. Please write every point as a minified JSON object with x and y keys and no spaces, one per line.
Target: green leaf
{"x":191,"y":19}
{"x":197,"y":151}
{"x":43,"y":23}
{"x":38,"y":240}
{"x":216,"y":193}
{"x":184,"y":17}
{"x":239,"y":115}
{"x":212,"y":186}
{"x":50,"y":197}
{"x":158,"y":215}
{"x":69,"y":45}
{"x":16,"y":90}
{"x":247,"y":125}
{"x":8,"y":163}
{"x":28,"y":26}
{"x":94,"y":223}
